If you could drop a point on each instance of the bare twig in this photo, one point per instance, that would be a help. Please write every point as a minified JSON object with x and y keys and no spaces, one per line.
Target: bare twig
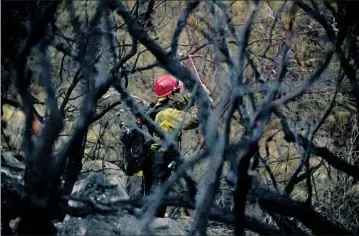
{"x":307,"y":83}
{"x":180,"y":25}
{"x":264,"y":54}
{"x":271,"y":175}
{"x":285,"y":206}
{"x":215,"y":213}
{"x":104,"y":111}
{"x":39,"y":158}
{"x":350,"y":72}
{"x":154,"y":64}
{"x":328,"y":156}
{"x":320,"y":123}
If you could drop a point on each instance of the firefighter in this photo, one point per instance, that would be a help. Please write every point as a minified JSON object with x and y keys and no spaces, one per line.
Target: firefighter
{"x":168,"y":113}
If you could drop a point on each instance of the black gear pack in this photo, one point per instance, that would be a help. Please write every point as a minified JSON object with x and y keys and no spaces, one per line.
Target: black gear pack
{"x":136,"y":148}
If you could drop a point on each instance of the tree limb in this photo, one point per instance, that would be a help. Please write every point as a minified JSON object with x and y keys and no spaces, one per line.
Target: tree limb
{"x":328,"y":156}
{"x":283,"y":205}
{"x":181,"y":24}
{"x":104,"y":111}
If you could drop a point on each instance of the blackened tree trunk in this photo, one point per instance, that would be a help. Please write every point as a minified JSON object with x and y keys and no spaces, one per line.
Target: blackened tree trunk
{"x":74,"y":165}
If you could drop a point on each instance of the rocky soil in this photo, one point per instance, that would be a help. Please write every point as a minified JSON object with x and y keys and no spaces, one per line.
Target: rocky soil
{"x":99,"y":184}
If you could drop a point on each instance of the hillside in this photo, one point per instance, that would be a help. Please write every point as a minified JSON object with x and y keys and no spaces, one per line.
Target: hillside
{"x":282,"y":137}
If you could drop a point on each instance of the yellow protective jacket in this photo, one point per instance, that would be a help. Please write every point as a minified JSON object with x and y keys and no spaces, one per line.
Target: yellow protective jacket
{"x":175,"y":116}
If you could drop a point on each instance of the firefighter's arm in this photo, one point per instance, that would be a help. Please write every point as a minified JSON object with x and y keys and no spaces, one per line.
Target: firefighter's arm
{"x":173,"y":118}
{"x":183,"y":102}
{"x":190,"y":120}
{"x":170,"y":119}
{"x":186,"y":99}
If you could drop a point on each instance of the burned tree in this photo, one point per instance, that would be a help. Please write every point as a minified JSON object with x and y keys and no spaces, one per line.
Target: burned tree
{"x":259,"y":66}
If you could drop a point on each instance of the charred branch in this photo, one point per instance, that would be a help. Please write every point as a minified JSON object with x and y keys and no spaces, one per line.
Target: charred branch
{"x":283,"y":205}
{"x":327,"y":155}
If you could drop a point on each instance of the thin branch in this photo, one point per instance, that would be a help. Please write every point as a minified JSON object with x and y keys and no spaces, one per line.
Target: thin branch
{"x":104,"y":111}
{"x":86,"y":113}
{"x":293,"y":181}
{"x":307,"y":83}
{"x":6,"y":138}
{"x":283,"y":205}
{"x":271,"y":175}
{"x":126,"y":57}
{"x":266,"y":49}
{"x":212,"y":178}
{"x":74,"y":19}
{"x":215,"y":213}
{"x":75,"y":81}
{"x":328,"y":156}
{"x":77,"y":77}
{"x":180,"y":25}
{"x":154,"y":64}
{"x":350,"y":72}
{"x":319,"y":125}
{"x":36,"y":33}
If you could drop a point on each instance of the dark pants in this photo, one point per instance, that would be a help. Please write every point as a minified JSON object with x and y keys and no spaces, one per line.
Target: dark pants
{"x":147,"y":178}
{"x":156,"y":172}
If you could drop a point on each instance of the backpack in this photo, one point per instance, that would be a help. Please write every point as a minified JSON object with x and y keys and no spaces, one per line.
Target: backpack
{"x":136,"y":147}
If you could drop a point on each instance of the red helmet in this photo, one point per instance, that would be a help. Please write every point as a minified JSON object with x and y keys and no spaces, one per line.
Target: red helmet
{"x":166,"y":84}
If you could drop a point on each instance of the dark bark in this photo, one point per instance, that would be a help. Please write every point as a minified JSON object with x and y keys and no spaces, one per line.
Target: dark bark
{"x":348,"y":24}
{"x":70,"y":157}
{"x":39,"y":191}
{"x":287,"y":226}
{"x":12,"y":193}
{"x":215,"y":213}
{"x":283,"y":205}
{"x":328,"y":156}
{"x":243,"y":185}
{"x":227,"y":217}
{"x":74,"y":165}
